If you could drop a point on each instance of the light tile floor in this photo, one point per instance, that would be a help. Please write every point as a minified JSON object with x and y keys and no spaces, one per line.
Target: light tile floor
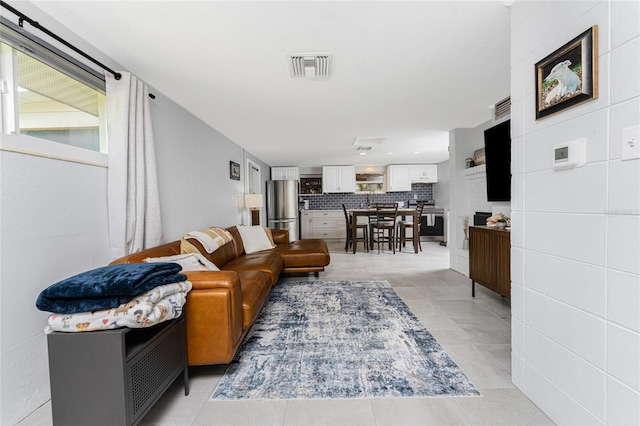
{"x":475,"y":332}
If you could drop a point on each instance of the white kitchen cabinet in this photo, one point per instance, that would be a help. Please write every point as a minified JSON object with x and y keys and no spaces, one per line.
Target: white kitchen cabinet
{"x":285,"y":173}
{"x":398,"y":178}
{"x":323,"y":224}
{"x":338,"y":179}
{"x":424,"y":173}
{"x":306,"y":225}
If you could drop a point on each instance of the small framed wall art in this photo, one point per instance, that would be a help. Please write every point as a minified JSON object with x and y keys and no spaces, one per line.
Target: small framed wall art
{"x":234,"y":170}
{"x":568,"y":76}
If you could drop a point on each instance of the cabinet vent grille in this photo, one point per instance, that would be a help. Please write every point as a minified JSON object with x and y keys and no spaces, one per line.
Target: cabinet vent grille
{"x":502,"y":108}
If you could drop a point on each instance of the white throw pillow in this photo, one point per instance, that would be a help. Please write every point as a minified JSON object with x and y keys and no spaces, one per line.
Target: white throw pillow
{"x":254,"y":238}
{"x":188,"y":261}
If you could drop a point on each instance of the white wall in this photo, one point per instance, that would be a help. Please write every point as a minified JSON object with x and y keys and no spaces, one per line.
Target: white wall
{"x":193,"y":171}
{"x":576,"y":233}
{"x":265,"y":175}
{"x":441,"y":189}
{"x":53,"y":224}
{"x":441,"y":195}
{"x":468,"y":192}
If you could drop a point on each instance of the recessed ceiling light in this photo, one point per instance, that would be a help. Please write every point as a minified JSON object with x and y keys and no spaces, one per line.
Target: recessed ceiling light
{"x":416,"y":152}
{"x":389,"y":153}
{"x":363,"y":153}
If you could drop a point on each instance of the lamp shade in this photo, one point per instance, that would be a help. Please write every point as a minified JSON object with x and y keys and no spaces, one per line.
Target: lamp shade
{"x":253,"y":201}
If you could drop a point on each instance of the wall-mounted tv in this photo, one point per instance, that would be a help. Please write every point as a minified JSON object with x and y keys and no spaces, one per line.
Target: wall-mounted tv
{"x":497,"y":147}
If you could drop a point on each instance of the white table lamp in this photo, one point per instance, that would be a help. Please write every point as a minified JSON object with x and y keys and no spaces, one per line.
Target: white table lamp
{"x":254,"y":202}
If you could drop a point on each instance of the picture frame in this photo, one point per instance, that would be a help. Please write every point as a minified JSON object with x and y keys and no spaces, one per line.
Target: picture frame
{"x":234,"y":170}
{"x":568,"y":76}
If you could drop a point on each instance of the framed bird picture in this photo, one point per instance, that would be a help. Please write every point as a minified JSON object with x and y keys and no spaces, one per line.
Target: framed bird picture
{"x":568,"y":76}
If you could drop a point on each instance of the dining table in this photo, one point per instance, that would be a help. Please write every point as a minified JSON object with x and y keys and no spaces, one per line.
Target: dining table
{"x":402,"y":212}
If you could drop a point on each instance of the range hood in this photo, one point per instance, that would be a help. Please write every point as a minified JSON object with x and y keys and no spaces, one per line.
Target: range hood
{"x":370,"y":174}
{"x":369,"y":178}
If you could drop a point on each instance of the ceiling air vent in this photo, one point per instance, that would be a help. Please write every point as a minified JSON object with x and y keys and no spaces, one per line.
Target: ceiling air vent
{"x":502,"y":108}
{"x":366,"y":144}
{"x":310,"y":66}
{"x":368,"y":141}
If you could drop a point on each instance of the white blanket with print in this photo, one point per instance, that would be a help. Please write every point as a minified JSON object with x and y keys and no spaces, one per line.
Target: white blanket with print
{"x":155,"y":306}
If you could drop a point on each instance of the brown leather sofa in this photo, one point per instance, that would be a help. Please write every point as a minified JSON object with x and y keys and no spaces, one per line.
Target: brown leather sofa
{"x":223,"y":304}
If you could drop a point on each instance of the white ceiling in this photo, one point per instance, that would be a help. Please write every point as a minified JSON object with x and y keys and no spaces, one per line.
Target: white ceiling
{"x":407,"y":71}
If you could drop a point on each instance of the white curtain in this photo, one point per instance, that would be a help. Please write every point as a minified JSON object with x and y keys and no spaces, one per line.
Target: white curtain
{"x":134,"y":204}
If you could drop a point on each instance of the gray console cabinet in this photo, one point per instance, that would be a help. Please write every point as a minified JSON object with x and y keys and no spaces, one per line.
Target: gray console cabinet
{"x":113,"y":377}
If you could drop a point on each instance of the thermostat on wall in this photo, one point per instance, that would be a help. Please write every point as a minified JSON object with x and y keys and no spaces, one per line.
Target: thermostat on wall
{"x":570,"y":154}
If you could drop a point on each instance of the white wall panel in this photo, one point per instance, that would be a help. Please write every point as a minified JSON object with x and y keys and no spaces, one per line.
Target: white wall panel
{"x":621,"y":199}
{"x":574,"y":236}
{"x":623,"y":299}
{"x":622,"y":361}
{"x":53,"y":226}
{"x":517,"y":302}
{"x":623,"y":115}
{"x":575,"y":283}
{"x":574,"y":376}
{"x":579,"y":190}
{"x":624,"y":72}
{"x":575,"y":330}
{"x":558,"y":405}
{"x":518,"y":87}
{"x":517,"y":192}
{"x":517,"y":350}
{"x":517,"y":370}
{"x":540,"y":144}
{"x":517,"y":265}
{"x":517,"y":154}
{"x":623,"y":240}
{"x":580,"y":228}
{"x":623,"y":404}
{"x":621,"y":31}
{"x":25,"y":378}
{"x":517,"y":225}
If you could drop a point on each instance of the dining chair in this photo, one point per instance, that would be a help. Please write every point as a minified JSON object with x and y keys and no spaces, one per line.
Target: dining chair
{"x":352,"y":232}
{"x":372,"y":215}
{"x":383,"y":229}
{"x":403,"y":225}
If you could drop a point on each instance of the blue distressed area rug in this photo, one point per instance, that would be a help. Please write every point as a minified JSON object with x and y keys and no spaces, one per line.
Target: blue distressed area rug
{"x":339,"y":339}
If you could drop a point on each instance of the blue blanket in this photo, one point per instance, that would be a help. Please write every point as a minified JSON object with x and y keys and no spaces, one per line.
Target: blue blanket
{"x":106,"y":287}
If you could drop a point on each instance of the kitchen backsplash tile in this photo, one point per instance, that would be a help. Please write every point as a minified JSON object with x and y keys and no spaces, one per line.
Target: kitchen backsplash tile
{"x":422,"y":191}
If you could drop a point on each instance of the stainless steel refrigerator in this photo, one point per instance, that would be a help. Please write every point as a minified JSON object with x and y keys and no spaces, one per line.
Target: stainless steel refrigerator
{"x":283,"y":207}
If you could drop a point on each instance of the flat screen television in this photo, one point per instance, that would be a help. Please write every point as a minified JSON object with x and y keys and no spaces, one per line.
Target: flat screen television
{"x":497,"y":151}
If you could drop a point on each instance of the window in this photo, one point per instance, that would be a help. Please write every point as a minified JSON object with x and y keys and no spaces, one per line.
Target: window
{"x":48,"y":96}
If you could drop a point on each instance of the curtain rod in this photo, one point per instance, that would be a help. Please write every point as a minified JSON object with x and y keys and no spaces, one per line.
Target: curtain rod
{"x":35,"y":24}
{"x":22,"y":17}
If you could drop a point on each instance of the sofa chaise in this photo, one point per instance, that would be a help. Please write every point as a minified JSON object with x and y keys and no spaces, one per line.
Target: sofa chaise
{"x":223,"y":304}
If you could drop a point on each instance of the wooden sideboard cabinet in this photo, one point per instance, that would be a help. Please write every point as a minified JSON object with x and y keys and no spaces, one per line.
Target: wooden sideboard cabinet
{"x":490,"y":259}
